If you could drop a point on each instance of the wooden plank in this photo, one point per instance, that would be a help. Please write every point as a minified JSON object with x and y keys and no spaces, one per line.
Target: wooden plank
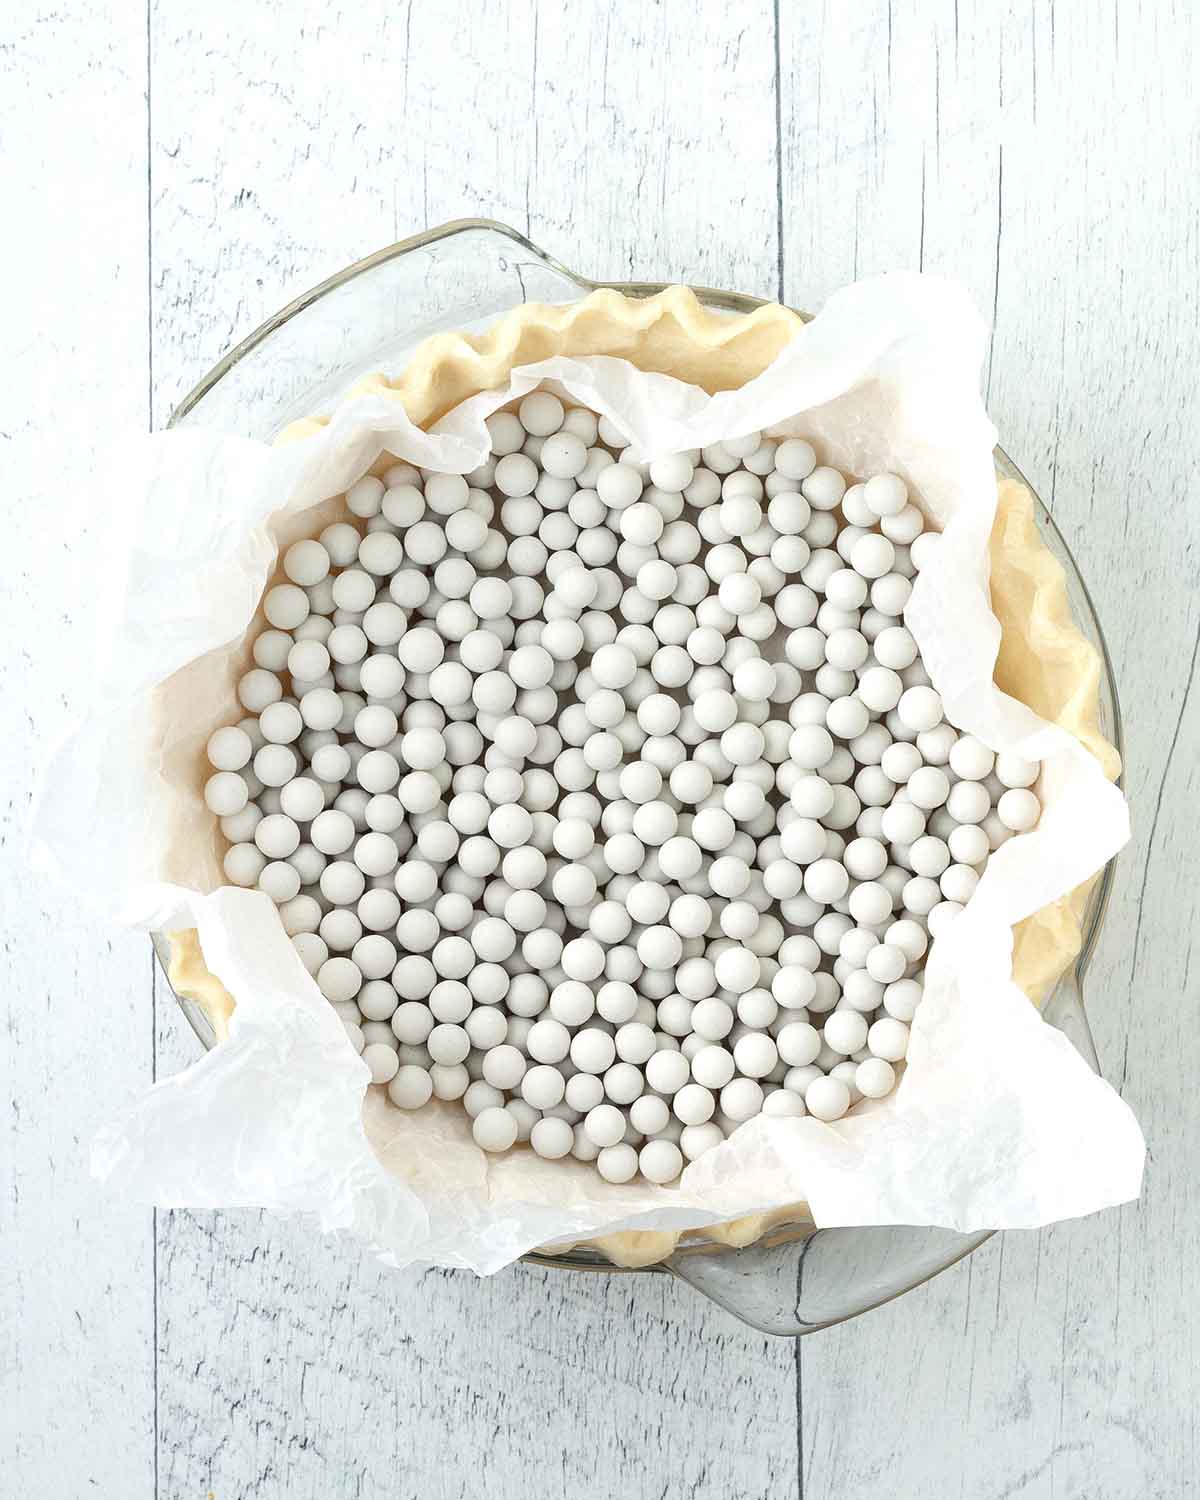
{"x":1025,"y":1371}
{"x":288,"y":1365}
{"x":294,"y":1366}
{"x":372,"y":127}
{"x":76,"y":1282}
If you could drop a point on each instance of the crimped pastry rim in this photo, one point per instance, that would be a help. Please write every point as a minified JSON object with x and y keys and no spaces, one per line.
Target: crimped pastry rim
{"x":1044,"y":658}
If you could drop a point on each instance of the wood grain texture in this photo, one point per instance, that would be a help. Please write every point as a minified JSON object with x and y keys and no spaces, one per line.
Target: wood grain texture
{"x":287,"y":145}
{"x":76,"y":1268}
{"x":292,"y":1366}
{"x":1050,"y":151}
{"x":1045,"y":156}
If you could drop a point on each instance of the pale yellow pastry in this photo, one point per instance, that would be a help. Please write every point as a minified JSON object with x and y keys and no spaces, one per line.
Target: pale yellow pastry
{"x":1044,"y":659}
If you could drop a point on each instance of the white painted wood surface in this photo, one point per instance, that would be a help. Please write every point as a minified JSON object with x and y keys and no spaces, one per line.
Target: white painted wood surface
{"x":76,"y":1268}
{"x":180,"y":173}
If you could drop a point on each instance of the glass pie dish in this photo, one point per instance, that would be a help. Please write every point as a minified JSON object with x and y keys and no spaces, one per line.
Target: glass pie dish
{"x":460,"y":277}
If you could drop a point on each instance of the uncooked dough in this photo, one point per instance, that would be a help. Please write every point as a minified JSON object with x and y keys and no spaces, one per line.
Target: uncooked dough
{"x":1044,"y":659}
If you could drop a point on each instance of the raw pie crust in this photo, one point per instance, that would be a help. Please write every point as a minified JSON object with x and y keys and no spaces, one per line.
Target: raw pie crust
{"x":1044,"y":660}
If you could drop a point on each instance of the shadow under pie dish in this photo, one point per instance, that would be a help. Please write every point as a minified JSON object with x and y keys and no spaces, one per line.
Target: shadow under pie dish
{"x":1044,"y":659}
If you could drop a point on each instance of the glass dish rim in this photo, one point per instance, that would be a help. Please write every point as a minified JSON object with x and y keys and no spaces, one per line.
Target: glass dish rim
{"x":581,"y":1259}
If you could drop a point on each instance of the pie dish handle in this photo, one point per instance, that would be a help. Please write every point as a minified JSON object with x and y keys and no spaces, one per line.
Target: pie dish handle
{"x":821,"y":1277}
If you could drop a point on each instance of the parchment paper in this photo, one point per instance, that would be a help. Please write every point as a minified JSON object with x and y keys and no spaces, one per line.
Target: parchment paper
{"x":997,"y":1121}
